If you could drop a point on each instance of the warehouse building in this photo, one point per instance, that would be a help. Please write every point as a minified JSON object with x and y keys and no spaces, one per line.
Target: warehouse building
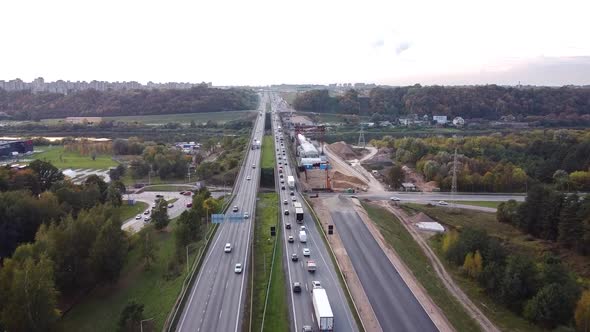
{"x":14,"y":148}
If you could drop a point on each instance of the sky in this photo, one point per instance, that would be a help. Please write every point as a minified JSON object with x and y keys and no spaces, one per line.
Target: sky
{"x":259,"y":42}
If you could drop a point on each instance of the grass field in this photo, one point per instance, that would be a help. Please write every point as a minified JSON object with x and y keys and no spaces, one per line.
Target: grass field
{"x":219,"y":117}
{"x":101,"y":308}
{"x":168,"y":187}
{"x":402,"y":242}
{"x":129,"y":211}
{"x":268,"y":152}
{"x":489,"y":204}
{"x":62,"y":159}
{"x":277,"y":318}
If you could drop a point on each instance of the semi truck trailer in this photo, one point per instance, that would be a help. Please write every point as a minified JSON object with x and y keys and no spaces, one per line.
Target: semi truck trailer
{"x":291,"y":181}
{"x":322,"y":310}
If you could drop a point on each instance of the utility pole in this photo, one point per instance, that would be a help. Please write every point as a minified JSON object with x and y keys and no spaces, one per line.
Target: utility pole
{"x":454,"y":183}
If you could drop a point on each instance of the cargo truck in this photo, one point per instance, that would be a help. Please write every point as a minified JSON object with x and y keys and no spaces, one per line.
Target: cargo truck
{"x":302,"y":236}
{"x":311,"y":266}
{"x":299,"y":215}
{"x":322,"y":309}
{"x":291,"y":181}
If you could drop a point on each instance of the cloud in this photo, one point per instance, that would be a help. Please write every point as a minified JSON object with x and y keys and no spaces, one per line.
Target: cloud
{"x":401,"y":47}
{"x":378,"y":43}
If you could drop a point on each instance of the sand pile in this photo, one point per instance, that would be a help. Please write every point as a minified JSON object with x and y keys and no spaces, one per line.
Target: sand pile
{"x":341,"y":181}
{"x":344,"y":151}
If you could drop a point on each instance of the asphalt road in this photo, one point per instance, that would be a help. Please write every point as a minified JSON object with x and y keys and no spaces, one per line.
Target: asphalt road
{"x":301,"y":307}
{"x":149,"y":197}
{"x":215,"y":302}
{"x":394,"y":304}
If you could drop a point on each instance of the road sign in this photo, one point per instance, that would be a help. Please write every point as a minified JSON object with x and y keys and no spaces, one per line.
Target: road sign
{"x":217,"y":218}
{"x":235,"y":217}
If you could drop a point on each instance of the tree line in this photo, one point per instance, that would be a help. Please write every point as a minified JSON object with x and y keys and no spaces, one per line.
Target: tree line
{"x":26,"y":105}
{"x":570,"y":104}
{"x":546,"y":294}
{"x":498,"y":163}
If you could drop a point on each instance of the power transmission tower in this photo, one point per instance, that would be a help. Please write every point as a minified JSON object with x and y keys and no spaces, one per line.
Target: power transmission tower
{"x":361,"y":142}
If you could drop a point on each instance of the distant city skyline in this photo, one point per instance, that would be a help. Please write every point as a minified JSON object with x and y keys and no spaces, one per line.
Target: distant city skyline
{"x":263,"y":42}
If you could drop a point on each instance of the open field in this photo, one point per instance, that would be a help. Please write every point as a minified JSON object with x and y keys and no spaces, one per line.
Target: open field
{"x":101,"y":308}
{"x":128,"y":211}
{"x":277,"y":318}
{"x":168,"y":187}
{"x":62,"y":159}
{"x":488,"y":204}
{"x":219,"y":117}
{"x":402,"y":242}
{"x":268,"y":152}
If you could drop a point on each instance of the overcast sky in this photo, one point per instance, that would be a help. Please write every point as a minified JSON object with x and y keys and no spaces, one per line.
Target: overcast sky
{"x":257,"y":42}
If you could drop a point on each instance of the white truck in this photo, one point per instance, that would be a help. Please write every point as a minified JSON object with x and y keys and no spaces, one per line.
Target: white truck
{"x":322,"y":309}
{"x":291,"y":181}
{"x":302,"y":236}
{"x":311,"y":266}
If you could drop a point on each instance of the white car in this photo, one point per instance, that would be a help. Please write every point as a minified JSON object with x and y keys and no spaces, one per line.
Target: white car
{"x":442,"y":203}
{"x":227,"y":247}
{"x":306,"y":252}
{"x":253,"y":165}
{"x":302,"y":228}
{"x":395,"y":199}
{"x":246,"y":215}
{"x":170,"y":206}
{"x":294,"y":199}
{"x":138,"y":217}
{"x":316,"y":284}
{"x":285,"y":202}
{"x":147,"y":219}
{"x":238,"y":268}
{"x":248,"y":178}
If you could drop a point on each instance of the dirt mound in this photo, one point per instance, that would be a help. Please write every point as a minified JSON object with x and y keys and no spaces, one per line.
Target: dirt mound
{"x":422,"y":217}
{"x":341,"y":181}
{"x":344,"y":151}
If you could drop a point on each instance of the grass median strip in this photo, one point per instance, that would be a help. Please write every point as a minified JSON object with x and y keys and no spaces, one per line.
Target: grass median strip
{"x":277,"y":318}
{"x":268,"y":152}
{"x":402,"y":242}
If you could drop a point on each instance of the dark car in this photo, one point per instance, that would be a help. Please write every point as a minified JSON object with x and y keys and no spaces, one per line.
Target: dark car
{"x":296,"y":287}
{"x":288,"y":225}
{"x":294,"y":257}
{"x":292,"y":193}
{"x":282,"y":187}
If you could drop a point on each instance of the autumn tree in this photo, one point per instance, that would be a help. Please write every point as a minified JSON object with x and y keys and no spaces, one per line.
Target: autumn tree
{"x":395,"y":176}
{"x":582,"y":314}
{"x":473,"y":264}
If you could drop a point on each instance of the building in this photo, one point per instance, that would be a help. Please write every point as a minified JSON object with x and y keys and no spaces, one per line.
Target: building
{"x":408,"y":186}
{"x":15,"y":148}
{"x":440,"y":119}
{"x":84,"y":119}
{"x":458,"y":122}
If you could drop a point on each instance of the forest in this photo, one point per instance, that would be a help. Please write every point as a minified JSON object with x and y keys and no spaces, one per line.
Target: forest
{"x":25,"y":105}
{"x":561,"y":105}
{"x":498,"y":163}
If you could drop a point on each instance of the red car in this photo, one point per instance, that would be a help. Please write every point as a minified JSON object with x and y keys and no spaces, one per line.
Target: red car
{"x":187,"y":193}
{"x":189,"y":205}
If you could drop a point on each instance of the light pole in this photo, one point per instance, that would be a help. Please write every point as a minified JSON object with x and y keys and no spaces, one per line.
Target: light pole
{"x":188,"y":245}
{"x":141,"y":323}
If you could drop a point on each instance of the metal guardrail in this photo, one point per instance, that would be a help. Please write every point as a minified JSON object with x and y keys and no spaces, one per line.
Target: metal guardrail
{"x":172,"y":319}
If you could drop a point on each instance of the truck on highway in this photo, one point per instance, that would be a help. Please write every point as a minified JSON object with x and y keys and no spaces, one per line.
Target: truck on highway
{"x":299,"y":215}
{"x":256,"y":144}
{"x":291,"y":181}
{"x":311,"y":266}
{"x":302,"y":236}
{"x":322,"y":309}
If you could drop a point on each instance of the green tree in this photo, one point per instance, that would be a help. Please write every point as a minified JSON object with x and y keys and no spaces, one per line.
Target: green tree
{"x":570,"y":222}
{"x":519,"y":282}
{"x":109,"y":251}
{"x":48,"y":174}
{"x":29,"y":298}
{"x":395,"y":176}
{"x":160,"y":215}
{"x":131,"y":317}
{"x":114,"y":195}
{"x":553,"y":305}
{"x":507,"y":212}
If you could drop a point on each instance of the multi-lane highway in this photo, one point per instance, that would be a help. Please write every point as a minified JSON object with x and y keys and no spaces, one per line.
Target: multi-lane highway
{"x":215,"y":302}
{"x":301,"y":307}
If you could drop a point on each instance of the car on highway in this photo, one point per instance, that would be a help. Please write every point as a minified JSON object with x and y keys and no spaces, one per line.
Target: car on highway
{"x":294,"y":257}
{"x":294,"y":199}
{"x":442,"y":203}
{"x":306,"y":328}
{"x":170,"y":205}
{"x":285,"y":202}
{"x":246,"y":215}
{"x":253,"y":165}
{"x":227,"y":247}
{"x":288,"y":225}
{"x":146,"y":212}
{"x":248,"y":178}
{"x":282,"y":181}
{"x":291,"y":239}
{"x":238,"y":268}
{"x":187,"y":193}
{"x":282,"y":187}
{"x":296,"y":287}
{"x":159,"y":196}
{"x":147,"y":219}
{"x":138,"y":217}
{"x":316,"y":284}
{"x":188,"y":205}
{"x":281,"y":176}
{"x":279,"y":157}
{"x":286,"y":212}
{"x":395,"y":199}
{"x":302,"y":228}
{"x":235,"y":209}
{"x":306,"y":252}
{"x":292,"y":193}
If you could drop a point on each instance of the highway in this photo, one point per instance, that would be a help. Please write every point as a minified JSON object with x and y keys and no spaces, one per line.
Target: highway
{"x":394,"y":304}
{"x":301,"y":307}
{"x":215,"y":302}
